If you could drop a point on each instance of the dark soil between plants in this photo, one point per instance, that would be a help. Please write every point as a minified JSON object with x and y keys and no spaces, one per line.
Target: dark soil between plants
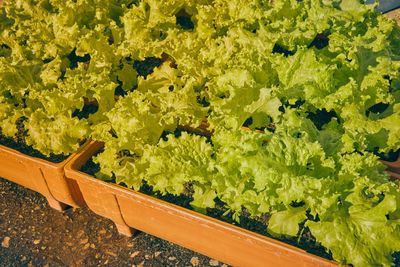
{"x":33,"y":234}
{"x":18,"y":143}
{"x":258,"y":225}
{"x":28,"y":150}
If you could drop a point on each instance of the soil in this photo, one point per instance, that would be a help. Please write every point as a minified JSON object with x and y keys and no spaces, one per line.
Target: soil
{"x":33,"y":234}
{"x":18,"y":143}
{"x":146,"y":67}
{"x":28,"y":150}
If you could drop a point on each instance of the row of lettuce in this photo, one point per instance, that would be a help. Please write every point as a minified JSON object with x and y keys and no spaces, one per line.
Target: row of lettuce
{"x":319,"y":80}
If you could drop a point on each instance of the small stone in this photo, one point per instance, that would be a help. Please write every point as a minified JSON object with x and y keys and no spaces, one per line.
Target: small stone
{"x":194,"y":261}
{"x":80,"y":233}
{"x":97,"y":255}
{"x":23,"y":231}
{"x":111,"y":253}
{"x":171,"y":258}
{"x":105,"y":262}
{"x":214,"y":262}
{"x":6,"y":242}
{"x":84,"y":241}
{"x":36,"y":241}
{"x":224,"y":265}
{"x":147,"y":257}
{"x":92,"y":246}
{"x":43,"y":248}
{"x":86,"y":246}
{"x":140,"y":264}
{"x":134,"y":254}
{"x":157,"y":253}
{"x":102,"y":231}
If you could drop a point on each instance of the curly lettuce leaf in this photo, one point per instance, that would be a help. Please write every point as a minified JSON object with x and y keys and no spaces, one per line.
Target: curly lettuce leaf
{"x":60,"y":134}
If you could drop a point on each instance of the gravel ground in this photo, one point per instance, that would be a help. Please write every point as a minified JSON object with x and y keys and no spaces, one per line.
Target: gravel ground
{"x":33,"y":234}
{"x":394,"y":14}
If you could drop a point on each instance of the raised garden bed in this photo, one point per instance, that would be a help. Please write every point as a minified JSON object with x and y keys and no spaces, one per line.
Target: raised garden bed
{"x":393,"y":167}
{"x":41,"y":175}
{"x":131,"y":210}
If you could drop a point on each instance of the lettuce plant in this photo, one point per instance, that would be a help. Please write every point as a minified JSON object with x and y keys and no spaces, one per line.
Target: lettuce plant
{"x":55,"y":58}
